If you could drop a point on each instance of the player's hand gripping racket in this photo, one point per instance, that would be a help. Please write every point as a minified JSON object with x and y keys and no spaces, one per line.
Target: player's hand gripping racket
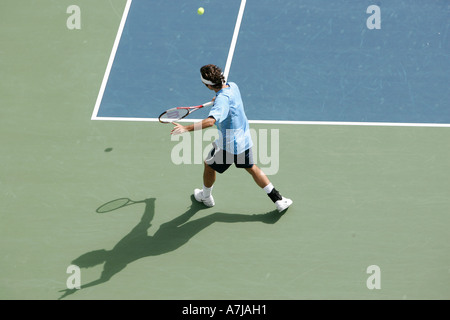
{"x":177,"y":113}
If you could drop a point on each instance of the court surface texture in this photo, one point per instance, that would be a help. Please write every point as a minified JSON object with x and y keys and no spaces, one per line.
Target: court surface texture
{"x":351,"y":121}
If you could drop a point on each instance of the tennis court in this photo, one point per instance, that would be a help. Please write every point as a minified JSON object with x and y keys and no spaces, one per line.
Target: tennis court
{"x":351,"y":123}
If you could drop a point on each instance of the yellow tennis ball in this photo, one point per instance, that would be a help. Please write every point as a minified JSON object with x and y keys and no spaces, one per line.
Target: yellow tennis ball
{"x":200,"y":11}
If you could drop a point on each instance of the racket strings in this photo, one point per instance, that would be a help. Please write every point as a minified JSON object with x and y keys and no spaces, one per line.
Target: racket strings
{"x":174,"y":114}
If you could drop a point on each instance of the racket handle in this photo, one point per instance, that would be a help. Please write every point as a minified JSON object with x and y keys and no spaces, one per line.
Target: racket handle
{"x":208,"y":104}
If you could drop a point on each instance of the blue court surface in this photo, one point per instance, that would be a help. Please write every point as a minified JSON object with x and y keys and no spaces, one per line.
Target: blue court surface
{"x":311,"y":60}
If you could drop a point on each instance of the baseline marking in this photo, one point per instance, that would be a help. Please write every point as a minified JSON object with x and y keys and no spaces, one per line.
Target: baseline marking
{"x":329,"y":123}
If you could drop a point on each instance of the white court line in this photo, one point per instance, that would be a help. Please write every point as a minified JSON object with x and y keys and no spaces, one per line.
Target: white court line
{"x":234,"y":39}
{"x":329,"y":123}
{"x":111,"y":60}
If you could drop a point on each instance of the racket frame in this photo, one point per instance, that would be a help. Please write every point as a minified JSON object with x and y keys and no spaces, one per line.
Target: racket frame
{"x":189,"y":109}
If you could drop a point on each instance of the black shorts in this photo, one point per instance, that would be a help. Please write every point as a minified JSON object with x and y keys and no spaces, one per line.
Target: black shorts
{"x":220,"y":160}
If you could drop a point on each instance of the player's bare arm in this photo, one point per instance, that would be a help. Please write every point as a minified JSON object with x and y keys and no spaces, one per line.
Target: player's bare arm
{"x":205,"y":123}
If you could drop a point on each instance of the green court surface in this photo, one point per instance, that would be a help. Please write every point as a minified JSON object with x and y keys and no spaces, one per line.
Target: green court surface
{"x":363,"y":195}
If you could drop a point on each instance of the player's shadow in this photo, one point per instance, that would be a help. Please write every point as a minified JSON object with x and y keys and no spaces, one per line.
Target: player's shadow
{"x":170,"y":236}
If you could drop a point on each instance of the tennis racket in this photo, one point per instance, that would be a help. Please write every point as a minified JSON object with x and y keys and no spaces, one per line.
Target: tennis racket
{"x":177,"y":113}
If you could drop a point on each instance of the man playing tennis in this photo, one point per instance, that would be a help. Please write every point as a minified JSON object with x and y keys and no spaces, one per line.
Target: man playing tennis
{"x":234,"y":144}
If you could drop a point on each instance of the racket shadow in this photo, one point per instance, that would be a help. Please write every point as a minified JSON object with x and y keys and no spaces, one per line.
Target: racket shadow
{"x":170,"y":236}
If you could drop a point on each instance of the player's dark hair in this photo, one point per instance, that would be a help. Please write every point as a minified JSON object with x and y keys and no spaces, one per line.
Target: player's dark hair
{"x":214,"y":74}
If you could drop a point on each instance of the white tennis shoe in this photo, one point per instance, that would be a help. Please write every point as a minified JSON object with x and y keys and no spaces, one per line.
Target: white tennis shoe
{"x":283,"y":204}
{"x":198,"y":195}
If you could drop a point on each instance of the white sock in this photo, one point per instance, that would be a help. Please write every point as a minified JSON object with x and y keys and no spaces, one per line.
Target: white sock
{"x":207,"y":191}
{"x":268,"y":189}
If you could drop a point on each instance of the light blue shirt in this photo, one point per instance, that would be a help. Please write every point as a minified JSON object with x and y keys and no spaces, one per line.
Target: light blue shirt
{"x":231,"y":121}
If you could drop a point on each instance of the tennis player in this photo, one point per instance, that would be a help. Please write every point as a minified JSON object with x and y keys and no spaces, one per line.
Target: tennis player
{"x":234,"y":145}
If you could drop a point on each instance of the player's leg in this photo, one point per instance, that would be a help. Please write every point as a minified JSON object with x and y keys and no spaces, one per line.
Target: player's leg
{"x":209,"y":176}
{"x":258,"y":175}
{"x":262,"y":181}
{"x":213,"y":163}
{"x":245,"y":160}
{"x":204,"y":195}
